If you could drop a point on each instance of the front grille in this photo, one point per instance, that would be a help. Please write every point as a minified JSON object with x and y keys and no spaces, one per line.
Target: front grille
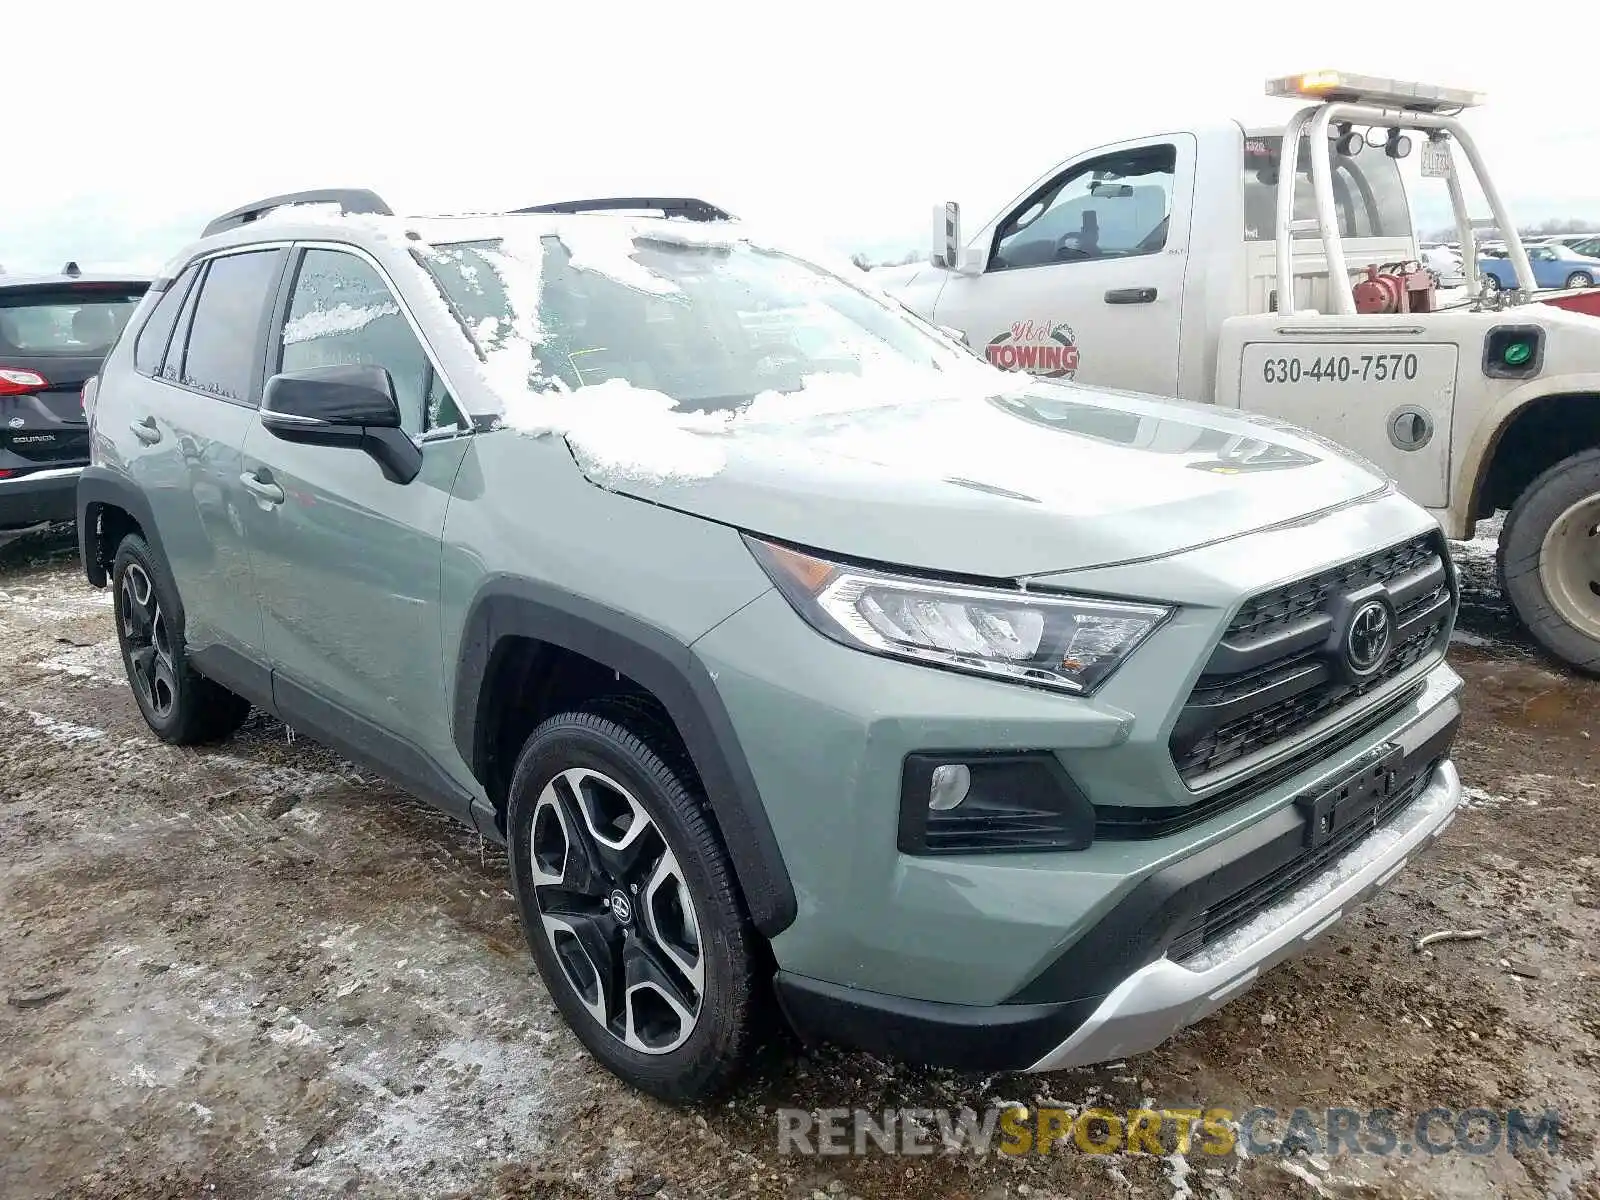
{"x":1273,"y":675}
{"x":1230,"y":913}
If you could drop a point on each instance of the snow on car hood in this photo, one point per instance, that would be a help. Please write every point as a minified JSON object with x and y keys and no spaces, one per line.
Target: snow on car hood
{"x":1043,"y":478}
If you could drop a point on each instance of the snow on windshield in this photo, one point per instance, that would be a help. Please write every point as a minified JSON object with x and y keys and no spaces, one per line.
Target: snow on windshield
{"x":646,"y":343}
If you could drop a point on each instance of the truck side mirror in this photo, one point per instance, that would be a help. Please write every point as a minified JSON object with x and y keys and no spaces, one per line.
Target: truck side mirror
{"x":946,"y":235}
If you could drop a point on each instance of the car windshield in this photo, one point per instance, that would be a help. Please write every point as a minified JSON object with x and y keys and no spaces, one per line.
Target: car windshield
{"x":76,"y":322}
{"x":711,"y":324}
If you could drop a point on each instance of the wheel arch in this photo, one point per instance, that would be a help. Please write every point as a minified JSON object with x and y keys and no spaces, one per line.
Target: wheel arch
{"x":110,"y":505}
{"x":508,"y":612}
{"x":1529,"y":431}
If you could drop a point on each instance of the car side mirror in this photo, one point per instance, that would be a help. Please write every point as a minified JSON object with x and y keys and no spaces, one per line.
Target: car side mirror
{"x":349,"y":405}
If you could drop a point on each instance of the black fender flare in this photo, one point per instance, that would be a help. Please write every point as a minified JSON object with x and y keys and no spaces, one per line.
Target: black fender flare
{"x":508,"y":606}
{"x":98,"y":488}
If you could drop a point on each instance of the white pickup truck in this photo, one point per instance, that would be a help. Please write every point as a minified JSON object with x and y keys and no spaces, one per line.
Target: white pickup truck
{"x":1274,"y":270}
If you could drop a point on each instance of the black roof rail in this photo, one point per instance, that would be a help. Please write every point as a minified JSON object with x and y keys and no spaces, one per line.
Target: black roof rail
{"x":349,"y":200}
{"x":667,"y":206}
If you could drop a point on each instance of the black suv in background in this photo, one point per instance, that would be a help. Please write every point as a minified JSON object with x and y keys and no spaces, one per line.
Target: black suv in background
{"x":54,"y":332}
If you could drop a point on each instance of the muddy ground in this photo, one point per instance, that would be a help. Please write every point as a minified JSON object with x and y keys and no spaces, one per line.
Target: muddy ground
{"x":252,"y":971}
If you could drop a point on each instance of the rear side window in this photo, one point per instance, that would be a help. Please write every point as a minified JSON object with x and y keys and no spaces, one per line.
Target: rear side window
{"x":82,"y":321}
{"x":151,"y":347}
{"x":225,"y":332}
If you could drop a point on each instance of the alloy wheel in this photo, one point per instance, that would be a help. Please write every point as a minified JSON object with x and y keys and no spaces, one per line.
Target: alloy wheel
{"x":616,"y":909}
{"x":147,"y":641}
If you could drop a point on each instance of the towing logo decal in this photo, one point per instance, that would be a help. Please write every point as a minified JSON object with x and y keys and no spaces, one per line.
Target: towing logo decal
{"x":1047,"y":348}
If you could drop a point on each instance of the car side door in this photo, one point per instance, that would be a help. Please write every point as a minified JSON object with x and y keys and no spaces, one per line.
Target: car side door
{"x":346,"y":563}
{"x":1083,"y":277}
{"x":194,"y":390}
{"x":1547,"y":267}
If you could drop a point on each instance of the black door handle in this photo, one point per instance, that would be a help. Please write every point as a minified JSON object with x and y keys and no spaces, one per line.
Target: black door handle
{"x":1131,"y":296}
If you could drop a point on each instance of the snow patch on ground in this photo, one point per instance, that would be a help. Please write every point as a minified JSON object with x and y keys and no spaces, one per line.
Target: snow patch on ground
{"x":64,"y":731}
{"x":1301,"y":1173}
{"x":1178,"y":1170}
{"x":496,"y":1081}
{"x":97,"y":663}
{"x":1528,"y":791}
{"x":290,"y":1030}
{"x":58,"y":600}
{"x":1482,"y":549}
{"x":276,"y":778}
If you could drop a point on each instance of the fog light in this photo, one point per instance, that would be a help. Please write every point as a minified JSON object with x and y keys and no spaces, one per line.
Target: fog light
{"x":951,"y":783}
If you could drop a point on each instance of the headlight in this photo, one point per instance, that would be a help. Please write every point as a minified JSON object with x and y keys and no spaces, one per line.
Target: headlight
{"x":1068,"y":643}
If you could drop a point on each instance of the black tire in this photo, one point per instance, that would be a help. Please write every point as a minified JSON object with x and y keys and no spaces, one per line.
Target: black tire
{"x":1521,"y":542}
{"x":180,"y":705}
{"x":624,"y":742}
{"x":1580,"y":279}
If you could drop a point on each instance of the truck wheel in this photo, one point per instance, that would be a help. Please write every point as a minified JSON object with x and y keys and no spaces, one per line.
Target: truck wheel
{"x":1550,"y":560}
{"x":179,"y":705}
{"x":628,"y":903}
{"x":1489,"y":283}
{"x":1580,"y":279}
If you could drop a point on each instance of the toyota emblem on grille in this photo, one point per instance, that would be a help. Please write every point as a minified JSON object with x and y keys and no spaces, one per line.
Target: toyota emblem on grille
{"x":1366,"y":641}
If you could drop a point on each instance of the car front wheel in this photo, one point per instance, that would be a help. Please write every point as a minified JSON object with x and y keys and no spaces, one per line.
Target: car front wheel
{"x":1580,"y":279}
{"x":629,"y":904}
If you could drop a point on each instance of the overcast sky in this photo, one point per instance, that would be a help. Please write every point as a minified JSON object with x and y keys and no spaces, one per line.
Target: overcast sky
{"x":847,"y":119}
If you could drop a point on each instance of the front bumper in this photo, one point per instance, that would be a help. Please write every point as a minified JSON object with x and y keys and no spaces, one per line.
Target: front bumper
{"x":1118,"y":990}
{"x":1163,"y":997}
{"x":46,"y":495}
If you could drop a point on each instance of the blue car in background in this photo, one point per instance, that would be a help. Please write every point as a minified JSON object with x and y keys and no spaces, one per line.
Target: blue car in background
{"x":1554,"y":266}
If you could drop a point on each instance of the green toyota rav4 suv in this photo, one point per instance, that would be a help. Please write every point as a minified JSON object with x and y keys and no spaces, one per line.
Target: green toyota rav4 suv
{"x":792,"y":650}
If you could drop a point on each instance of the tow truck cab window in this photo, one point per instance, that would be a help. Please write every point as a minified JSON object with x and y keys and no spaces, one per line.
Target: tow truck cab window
{"x":1367,"y":192}
{"x":1114,"y":206}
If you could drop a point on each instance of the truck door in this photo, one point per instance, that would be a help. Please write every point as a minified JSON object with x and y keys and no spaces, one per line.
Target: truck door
{"x":1381,"y":386}
{"x":1083,"y":276}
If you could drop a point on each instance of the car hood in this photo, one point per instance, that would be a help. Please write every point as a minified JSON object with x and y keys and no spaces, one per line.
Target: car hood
{"x":1047,"y":478}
